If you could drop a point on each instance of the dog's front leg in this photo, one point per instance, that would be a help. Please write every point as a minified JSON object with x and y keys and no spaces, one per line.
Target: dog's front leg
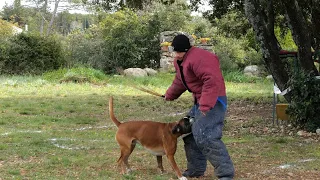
{"x":160,"y":166}
{"x":175,"y":167}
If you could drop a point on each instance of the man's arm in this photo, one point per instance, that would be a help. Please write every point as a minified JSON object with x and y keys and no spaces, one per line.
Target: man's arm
{"x":175,"y":90}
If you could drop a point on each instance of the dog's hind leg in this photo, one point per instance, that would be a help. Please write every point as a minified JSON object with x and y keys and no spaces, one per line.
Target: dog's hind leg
{"x":160,"y":166}
{"x":123,"y":160}
{"x":120,"y":161}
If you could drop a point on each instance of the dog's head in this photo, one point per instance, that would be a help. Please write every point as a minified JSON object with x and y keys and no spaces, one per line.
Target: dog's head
{"x":183,"y":126}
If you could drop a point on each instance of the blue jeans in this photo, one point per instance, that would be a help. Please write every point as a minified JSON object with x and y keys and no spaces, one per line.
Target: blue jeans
{"x":205,"y":143}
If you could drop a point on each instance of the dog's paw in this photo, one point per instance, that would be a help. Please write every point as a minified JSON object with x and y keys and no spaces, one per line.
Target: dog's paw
{"x":129,"y":171}
{"x":164,"y":172}
{"x":161,"y":171}
{"x":183,"y":178}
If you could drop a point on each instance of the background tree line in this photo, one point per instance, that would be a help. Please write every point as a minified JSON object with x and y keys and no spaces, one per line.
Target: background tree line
{"x":125,"y":37}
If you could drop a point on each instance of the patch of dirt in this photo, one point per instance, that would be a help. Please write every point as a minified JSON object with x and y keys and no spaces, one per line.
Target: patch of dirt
{"x":257,"y":119}
{"x":242,"y":111}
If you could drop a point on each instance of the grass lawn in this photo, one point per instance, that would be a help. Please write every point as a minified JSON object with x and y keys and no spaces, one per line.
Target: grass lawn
{"x":63,"y":131}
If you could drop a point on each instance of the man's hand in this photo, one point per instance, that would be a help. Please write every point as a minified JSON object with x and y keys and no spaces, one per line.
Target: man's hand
{"x":165,"y":98}
{"x":204,"y":113}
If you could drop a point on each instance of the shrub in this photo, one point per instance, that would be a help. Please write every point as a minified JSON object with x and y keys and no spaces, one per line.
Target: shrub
{"x":235,"y":54}
{"x":76,"y":75}
{"x":3,"y":53}
{"x":252,"y":57}
{"x":230,"y":52}
{"x":129,"y":41}
{"x":236,"y":41}
{"x":239,"y":77}
{"x":200,"y":27}
{"x":31,"y":54}
{"x":304,"y":107}
{"x":5,"y":34}
{"x":5,"y":30}
{"x":86,"y":48}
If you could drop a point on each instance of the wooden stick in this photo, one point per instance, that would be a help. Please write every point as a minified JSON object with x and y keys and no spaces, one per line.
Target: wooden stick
{"x":148,"y":91}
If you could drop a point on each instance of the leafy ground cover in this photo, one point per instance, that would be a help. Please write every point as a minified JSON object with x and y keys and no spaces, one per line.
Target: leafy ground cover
{"x":62,"y":131}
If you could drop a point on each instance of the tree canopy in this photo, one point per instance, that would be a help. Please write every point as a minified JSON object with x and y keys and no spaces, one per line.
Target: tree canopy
{"x":300,"y":17}
{"x":113,"y":5}
{"x":261,"y":15}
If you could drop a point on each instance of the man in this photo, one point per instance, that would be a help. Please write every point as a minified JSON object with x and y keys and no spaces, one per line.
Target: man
{"x":198,"y":71}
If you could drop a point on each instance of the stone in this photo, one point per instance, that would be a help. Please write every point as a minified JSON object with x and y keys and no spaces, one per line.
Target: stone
{"x":150,"y":72}
{"x":166,"y":63}
{"x":207,"y":47}
{"x":269,"y":77}
{"x":248,"y":74}
{"x":265,"y":129}
{"x":252,"y":70}
{"x":300,"y":133}
{"x":169,"y":35}
{"x":135,"y":72}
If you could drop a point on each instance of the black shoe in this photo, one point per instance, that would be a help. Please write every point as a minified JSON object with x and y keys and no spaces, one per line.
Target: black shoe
{"x":192,"y":174}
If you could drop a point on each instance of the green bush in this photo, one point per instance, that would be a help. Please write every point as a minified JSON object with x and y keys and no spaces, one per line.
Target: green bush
{"x":235,"y":54}
{"x":235,"y":25}
{"x":230,"y":52}
{"x":240,"y":77}
{"x":86,"y":48}
{"x":252,"y":57}
{"x":31,"y":54}
{"x":200,"y":27}
{"x":129,"y":41}
{"x":76,"y":75}
{"x":236,"y":42}
{"x":4,"y":45}
{"x":304,"y":107}
{"x":6,"y":29}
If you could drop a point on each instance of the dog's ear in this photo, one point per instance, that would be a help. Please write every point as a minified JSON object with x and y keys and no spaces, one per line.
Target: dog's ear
{"x":176,"y":129}
{"x":188,"y":120}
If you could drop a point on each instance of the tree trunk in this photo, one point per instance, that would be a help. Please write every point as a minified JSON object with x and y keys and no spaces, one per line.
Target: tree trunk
{"x":263,"y":26}
{"x":315,"y":16}
{"x":43,"y":15}
{"x":56,"y":5}
{"x":301,"y":35}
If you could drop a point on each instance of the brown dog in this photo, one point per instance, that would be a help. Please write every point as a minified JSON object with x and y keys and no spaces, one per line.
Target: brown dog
{"x":159,"y":138}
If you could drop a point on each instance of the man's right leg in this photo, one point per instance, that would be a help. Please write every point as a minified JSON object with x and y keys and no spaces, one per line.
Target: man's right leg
{"x":197,"y":162}
{"x":207,"y":131}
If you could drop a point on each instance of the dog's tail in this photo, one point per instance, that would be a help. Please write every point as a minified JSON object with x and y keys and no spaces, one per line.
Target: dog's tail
{"x":111,"y":113}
